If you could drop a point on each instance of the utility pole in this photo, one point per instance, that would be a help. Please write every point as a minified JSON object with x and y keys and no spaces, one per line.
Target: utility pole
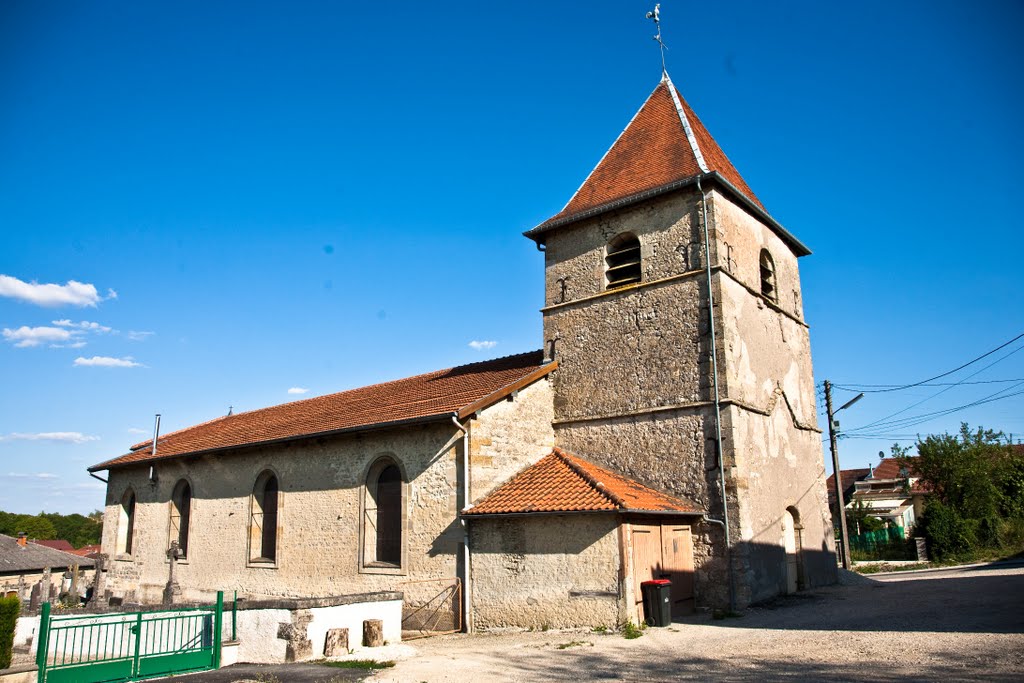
{"x":840,"y":503}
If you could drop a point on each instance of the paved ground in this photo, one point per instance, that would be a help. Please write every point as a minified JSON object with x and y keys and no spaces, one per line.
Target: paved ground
{"x":961,"y":624}
{"x":964,"y":624}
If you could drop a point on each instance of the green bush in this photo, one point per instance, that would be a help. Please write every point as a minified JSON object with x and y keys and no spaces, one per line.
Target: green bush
{"x":948,"y":534}
{"x":9,"y":609}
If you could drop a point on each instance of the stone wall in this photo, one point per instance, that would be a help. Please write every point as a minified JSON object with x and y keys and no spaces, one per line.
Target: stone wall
{"x":546,"y":571}
{"x":322,"y":483}
{"x":634,"y":386}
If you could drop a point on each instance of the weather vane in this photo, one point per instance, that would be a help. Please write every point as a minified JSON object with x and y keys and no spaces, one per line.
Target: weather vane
{"x":655,"y":16}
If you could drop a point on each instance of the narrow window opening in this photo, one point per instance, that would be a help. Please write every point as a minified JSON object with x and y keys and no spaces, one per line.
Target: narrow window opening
{"x":768,"y":276}
{"x":126,"y":524}
{"x":389,"y":516}
{"x":622,"y":261}
{"x":181,"y":512}
{"x":263,"y":526}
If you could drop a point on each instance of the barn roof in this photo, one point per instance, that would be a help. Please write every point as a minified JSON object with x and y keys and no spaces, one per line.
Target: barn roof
{"x":562,"y":482}
{"x":32,"y":557}
{"x":436,"y":395}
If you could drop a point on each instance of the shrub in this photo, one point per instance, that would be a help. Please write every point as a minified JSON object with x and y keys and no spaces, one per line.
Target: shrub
{"x":9,"y":609}
{"x":949,"y":535}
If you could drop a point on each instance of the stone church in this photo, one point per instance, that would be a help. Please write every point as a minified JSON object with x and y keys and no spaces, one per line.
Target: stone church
{"x":665,"y":429}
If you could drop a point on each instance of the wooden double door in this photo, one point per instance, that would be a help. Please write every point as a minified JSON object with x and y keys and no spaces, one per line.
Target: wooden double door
{"x":663,"y":551}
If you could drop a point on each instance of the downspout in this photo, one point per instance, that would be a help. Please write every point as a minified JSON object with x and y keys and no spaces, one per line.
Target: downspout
{"x":466,"y":593}
{"x":95,"y":476}
{"x":724,"y":522}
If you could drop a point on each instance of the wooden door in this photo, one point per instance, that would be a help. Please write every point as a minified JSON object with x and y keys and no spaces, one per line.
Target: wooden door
{"x":664,"y":551}
{"x":677,"y":563}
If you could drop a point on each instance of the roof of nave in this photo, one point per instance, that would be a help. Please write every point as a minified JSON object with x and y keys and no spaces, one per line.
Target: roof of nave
{"x":461,"y":391}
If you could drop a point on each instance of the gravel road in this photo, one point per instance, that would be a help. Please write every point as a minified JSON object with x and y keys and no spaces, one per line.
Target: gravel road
{"x":964,"y":624}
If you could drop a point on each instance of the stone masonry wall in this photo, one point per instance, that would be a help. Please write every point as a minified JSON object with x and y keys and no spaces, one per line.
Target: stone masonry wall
{"x":633,"y":390}
{"x":321,"y":483}
{"x":546,"y":571}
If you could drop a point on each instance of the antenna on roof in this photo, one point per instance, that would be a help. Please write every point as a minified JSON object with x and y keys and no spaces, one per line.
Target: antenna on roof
{"x":655,"y":16}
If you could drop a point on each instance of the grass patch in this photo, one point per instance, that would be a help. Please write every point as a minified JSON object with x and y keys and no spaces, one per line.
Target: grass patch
{"x":631,"y":630}
{"x":574,"y":643}
{"x":599,"y":629}
{"x":886,"y":567}
{"x":364,"y":664}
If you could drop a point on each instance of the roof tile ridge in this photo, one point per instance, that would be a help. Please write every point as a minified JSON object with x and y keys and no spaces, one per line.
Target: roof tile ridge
{"x":690,"y":137}
{"x":569,"y":460}
{"x":149,"y":442}
{"x":611,"y":147}
{"x":143,"y":444}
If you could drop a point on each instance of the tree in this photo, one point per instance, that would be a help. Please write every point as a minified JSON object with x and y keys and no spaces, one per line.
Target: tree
{"x":976,"y":482}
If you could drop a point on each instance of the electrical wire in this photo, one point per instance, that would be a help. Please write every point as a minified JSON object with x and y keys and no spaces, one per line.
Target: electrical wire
{"x":945,"y":374}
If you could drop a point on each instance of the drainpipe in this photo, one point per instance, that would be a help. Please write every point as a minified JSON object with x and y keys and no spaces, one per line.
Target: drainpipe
{"x":718,"y":405}
{"x":466,"y":602}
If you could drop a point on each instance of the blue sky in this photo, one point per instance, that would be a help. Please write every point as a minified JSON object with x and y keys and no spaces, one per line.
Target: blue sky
{"x":323,"y":195}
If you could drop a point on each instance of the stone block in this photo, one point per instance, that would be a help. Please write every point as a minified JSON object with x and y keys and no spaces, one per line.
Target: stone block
{"x":336,"y":643}
{"x":373,"y":632}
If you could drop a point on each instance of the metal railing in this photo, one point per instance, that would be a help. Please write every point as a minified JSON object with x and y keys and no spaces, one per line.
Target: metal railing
{"x":128,"y":646}
{"x":432,"y":610}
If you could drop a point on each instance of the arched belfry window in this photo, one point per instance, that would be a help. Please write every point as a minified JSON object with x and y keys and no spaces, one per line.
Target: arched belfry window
{"x":126,"y":523}
{"x":768,"y":288}
{"x":181,"y":513}
{"x":266,"y":500}
{"x":622,"y":261}
{"x":383,"y":516}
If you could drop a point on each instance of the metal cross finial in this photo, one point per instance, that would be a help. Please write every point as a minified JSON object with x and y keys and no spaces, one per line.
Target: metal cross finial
{"x":655,"y":16}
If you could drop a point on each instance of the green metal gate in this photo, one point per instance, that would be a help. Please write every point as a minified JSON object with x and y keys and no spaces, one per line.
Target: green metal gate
{"x":128,"y":646}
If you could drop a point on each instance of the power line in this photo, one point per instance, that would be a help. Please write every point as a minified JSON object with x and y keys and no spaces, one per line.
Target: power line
{"x":925,"y":417}
{"x":865,"y":387}
{"x":941,"y":391}
{"x":945,"y":374}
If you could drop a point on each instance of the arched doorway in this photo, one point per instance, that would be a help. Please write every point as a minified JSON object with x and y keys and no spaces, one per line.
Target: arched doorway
{"x":791,"y":529}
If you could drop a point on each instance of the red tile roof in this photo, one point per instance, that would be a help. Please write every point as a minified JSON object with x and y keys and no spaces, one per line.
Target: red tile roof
{"x":56,"y":544}
{"x":562,"y":482}
{"x":461,"y":390}
{"x":654,"y":150}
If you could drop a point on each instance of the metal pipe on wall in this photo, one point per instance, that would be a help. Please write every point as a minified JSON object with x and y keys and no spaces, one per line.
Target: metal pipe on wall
{"x":466,"y":588}
{"x":718,"y":404}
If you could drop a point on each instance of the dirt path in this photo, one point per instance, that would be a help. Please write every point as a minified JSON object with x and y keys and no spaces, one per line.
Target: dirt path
{"x":961,"y":624}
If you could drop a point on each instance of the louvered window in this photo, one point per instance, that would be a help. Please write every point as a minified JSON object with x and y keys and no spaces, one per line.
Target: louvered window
{"x":622,"y":262}
{"x":768,"y":288}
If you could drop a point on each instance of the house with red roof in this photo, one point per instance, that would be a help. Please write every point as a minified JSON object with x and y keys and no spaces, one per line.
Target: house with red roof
{"x":890,"y":492}
{"x":665,"y":430}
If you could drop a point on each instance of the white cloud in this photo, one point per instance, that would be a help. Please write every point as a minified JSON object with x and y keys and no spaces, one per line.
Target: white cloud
{"x":135,"y":335}
{"x":136,"y":430}
{"x":72,"y":293}
{"x":481,"y":345}
{"x":25,"y":336}
{"x":69,"y":437}
{"x":32,"y":475}
{"x":83,"y":325}
{"x":298,"y":390}
{"x":107,"y":362}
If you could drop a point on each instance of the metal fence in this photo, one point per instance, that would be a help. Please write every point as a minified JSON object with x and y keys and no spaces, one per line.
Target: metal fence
{"x":128,"y":646}
{"x":432,"y":607}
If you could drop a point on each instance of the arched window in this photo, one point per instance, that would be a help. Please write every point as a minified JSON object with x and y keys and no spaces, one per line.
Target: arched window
{"x":181,"y":513}
{"x":263,"y":524}
{"x":622,"y":261}
{"x":768,"y":276}
{"x":126,"y":523}
{"x":383,"y":517}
